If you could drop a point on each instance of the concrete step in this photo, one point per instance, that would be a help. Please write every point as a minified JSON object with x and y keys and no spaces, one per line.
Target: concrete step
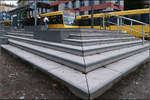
{"x":3,"y":32}
{"x":96,"y":36}
{"x":83,"y":64}
{"x":86,"y":86}
{"x":94,"y":30}
{"x":89,"y":42}
{"x":77,"y":31}
{"x":78,"y":50}
{"x":21,"y":35}
{"x":71,"y":78}
{"x":98,"y":32}
{"x":22,"y":32}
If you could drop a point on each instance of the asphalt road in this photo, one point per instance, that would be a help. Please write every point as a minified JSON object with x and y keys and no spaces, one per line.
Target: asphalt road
{"x":18,"y":80}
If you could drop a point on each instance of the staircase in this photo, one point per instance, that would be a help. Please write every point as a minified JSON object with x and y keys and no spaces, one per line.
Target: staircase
{"x":89,"y":62}
{"x":21,"y":33}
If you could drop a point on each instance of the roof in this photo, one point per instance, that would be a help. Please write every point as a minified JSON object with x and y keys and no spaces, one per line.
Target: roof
{"x":23,"y":8}
{"x":29,"y":7}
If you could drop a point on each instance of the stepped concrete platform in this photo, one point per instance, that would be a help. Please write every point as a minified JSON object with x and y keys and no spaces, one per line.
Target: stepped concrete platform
{"x":79,"y":42}
{"x":95,"y":36}
{"x":22,"y":31}
{"x":74,"y":30}
{"x":3,"y":32}
{"x":84,"y":64}
{"x":58,"y":35}
{"x":3,"y":40}
{"x":20,"y":34}
{"x":78,"y":50}
{"x":86,"y":86}
{"x":97,"y":32}
{"x":86,"y":68}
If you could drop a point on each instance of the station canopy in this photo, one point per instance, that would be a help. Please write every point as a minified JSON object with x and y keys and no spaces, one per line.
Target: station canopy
{"x":29,"y":7}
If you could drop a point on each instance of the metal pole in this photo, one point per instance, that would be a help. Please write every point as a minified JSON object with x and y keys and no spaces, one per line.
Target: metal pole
{"x":103,"y":21}
{"x":76,"y":13}
{"x":131,"y":28}
{"x":35,"y":13}
{"x":92,"y":12}
{"x":143,"y":34}
{"x":118,"y":24}
{"x":121,"y":24}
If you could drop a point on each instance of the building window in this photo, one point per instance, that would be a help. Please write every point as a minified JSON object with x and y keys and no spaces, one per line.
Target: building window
{"x":117,"y":1}
{"x":90,"y":2}
{"x":89,"y":12}
{"x":82,"y":13}
{"x":102,"y":1}
{"x":81,"y":3}
{"x":73,"y":4}
{"x":66,"y":5}
{"x":55,"y":8}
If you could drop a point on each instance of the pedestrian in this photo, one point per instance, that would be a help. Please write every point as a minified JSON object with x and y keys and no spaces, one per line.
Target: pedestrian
{"x":46,"y":20}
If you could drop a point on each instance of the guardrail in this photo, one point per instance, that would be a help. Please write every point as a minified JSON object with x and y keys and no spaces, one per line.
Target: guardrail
{"x":120,"y":24}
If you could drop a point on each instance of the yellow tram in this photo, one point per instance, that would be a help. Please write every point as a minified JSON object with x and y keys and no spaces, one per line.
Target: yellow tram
{"x":6,"y":23}
{"x":67,"y":19}
{"x":61,"y":19}
{"x":107,"y":20}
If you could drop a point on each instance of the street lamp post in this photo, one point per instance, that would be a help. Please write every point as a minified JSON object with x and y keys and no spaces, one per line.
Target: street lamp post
{"x":35,"y":13}
{"x":92,"y":12}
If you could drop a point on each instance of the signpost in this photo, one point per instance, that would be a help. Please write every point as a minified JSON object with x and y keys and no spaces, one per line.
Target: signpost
{"x":92,"y":12}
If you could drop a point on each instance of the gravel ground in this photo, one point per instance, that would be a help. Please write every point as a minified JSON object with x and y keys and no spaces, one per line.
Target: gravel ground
{"x":18,"y":80}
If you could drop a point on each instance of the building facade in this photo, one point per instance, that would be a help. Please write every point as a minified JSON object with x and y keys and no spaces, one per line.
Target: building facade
{"x":26,"y":10}
{"x":22,"y":3}
{"x":136,"y":4}
{"x":83,"y":7}
{"x":146,"y":3}
{"x":4,"y":8}
{"x":41,"y":5}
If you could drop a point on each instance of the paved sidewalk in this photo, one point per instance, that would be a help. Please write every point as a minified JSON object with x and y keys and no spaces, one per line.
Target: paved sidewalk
{"x":19,"y":80}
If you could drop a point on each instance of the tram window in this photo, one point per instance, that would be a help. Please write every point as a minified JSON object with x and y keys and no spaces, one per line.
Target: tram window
{"x":145,"y":18}
{"x":113,"y":20}
{"x":101,"y":21}
{"x":85,"y":22}
{"x":136,"y":17}
{"x":128,"y":22}
{"x":57,"y":19}
{"x":97,"y":21}
{"x":69,"y":19}
{"x":108,"y":21}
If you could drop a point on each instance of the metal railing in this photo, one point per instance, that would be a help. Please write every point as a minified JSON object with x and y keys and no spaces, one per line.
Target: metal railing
{"x":120,"y":24}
